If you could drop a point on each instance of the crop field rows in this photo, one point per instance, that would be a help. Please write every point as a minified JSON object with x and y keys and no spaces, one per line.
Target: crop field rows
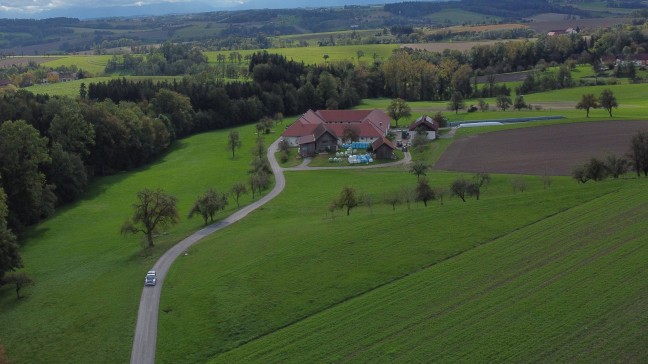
{"x":568,"y":288}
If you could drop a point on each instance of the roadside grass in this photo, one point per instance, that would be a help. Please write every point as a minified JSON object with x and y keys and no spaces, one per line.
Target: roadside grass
{"x":84,"y":304}
{"x":242,"y":283}
{"x":569,"y":288}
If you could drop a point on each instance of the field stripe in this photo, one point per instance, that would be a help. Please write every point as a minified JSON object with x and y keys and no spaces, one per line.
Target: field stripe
{"x":514,"y":299}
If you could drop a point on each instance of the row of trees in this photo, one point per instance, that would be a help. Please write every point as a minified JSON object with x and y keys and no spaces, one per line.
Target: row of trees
{"x":606,"y":100}
{"x":349,"y":197}
{"x":155,"y":209}
{"x":614,"y":166}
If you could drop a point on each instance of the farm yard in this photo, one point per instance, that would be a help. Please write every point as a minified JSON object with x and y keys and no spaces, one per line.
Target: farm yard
{"x":546,"y":150}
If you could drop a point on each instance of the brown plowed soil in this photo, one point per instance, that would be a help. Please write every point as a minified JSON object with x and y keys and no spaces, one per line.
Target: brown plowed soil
{"x":552,"y":150}
{"x":21,"y":61}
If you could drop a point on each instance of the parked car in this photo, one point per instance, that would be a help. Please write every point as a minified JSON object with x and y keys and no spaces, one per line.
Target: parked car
{"x":151,"y":278}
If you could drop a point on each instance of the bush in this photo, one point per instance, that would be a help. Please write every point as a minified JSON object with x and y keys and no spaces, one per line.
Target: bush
{"x":283,"y":157}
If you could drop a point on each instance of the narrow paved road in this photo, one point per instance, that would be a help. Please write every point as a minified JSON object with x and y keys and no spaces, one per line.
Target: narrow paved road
{"x":144,"y":342}
{"x":147,"y":317}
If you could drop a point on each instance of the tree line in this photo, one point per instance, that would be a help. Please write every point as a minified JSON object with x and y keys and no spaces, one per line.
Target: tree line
{"x":614,"y":166}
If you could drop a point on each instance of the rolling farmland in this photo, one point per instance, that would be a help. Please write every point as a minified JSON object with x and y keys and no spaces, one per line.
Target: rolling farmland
{"x":572,"y":287}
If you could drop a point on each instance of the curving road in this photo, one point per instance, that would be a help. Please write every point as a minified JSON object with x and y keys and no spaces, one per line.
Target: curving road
{"x":145,"y":338}
{"x":144,"y":342}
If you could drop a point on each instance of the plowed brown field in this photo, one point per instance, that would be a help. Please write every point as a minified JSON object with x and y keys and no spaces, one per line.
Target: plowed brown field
{"x":551,"y":150}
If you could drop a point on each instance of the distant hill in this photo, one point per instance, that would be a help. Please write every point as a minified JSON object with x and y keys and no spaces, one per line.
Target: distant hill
{"x":95,"y":11}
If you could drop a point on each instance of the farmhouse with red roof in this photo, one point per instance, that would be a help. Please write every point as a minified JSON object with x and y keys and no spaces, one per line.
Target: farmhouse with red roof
{"x":323,"y":130}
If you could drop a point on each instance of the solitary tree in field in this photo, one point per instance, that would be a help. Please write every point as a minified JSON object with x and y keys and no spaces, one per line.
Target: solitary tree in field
{"x":234,"y":141}
{"x":348,"y":199}
{"x":20,"y":280}
{"x":418,"y":168}
{"x":456,"y":102}
{"x":153,"y":210}
{"x":398,"y":109}
{"x":608,"y":100}
{"x":587,"y":102}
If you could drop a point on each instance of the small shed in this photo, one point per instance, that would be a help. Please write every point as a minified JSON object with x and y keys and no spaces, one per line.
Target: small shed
{"x":383,"y":148}
{"x":322,"y":140}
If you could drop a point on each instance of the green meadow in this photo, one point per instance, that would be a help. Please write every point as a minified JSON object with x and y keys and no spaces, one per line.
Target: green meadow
{"x":315,"y":55}
{"x":88,"y":278}
{"x":571,"y":287}
{"x":93,"y":64}
{"x":242,"y":284}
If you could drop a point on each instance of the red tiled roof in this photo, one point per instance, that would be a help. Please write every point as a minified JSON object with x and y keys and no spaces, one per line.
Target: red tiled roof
{"x":310,"y":138}
{"x":379,"y":142}
{"x":299,"y":128}
{"x":370,"y":123}
{"x":343,"y":115}
{"x":425,"y":121}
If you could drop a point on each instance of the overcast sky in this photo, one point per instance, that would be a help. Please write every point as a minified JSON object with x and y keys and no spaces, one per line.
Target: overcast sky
{"x":74,"y":8}
{"x":36,"y":6}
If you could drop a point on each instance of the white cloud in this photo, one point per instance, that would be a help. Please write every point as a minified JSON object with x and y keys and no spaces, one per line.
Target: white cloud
{"x":36,"y":6}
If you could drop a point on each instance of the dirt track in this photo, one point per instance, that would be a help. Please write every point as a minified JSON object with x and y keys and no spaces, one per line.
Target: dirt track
{"x":553,"y":150}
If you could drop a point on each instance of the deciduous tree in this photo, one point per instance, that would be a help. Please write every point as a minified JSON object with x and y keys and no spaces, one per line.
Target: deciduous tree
{"x":22,"y":152}
{"x":503,"y":102}
{"x":456,"y":102}
{"x":348,"y":199}
{"x":208,"y":205}
{"x":9,"y":255}
{"x":424,"y":192}
{"x":20,"y":280}
{"x":234,"y":142}
{"x":398,"y":109}
{"x":237,"y":190}
{"x":393,"y":199}
{"x":616,"y":166}
{"x":459,"y":188}
{"x":607,"y":100}
{"x":639,"y":152}
{"x":154,"y":209}
{"x":419,"y":169}
{"x":587,"y":102}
